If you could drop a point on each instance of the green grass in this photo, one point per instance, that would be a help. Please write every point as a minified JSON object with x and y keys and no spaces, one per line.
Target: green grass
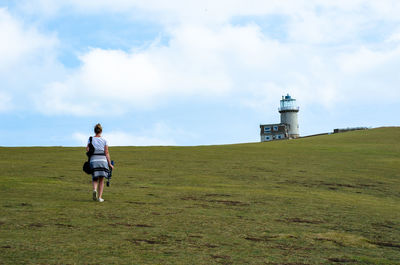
{"x":331,"y":199}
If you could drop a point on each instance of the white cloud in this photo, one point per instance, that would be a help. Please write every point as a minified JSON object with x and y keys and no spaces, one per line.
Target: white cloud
{"x":324,"y":27}
{"x":309,"y":21}
{"x":28,"y":60}
{"x":126,"y":139}
{"x":197,"y":63}
{"x":223,"y":62}
{"x":118,"y":138}
{"x":167,"y":11}
{"x":159,"y":135}
{"x":365,"y":59}
{"x":57,"y":98}
{"x":370,"y":75}
{"x":20,"y":43}
{"x":263,"y":96}
{"x":221,"y":11}
{"x":207,"y":57}
{"x":395,"y":37}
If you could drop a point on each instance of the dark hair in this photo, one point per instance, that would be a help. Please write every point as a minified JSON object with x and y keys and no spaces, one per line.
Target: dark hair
{"x":98,"y":129}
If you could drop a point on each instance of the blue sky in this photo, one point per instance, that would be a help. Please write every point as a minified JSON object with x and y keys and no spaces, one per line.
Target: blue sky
{"x":193,"y":72}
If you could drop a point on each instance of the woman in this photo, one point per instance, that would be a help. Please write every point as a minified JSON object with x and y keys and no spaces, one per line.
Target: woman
{"x":100,"y":162}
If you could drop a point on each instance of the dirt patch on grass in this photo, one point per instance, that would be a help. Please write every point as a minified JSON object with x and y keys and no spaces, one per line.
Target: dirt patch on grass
{"x":300,"y":220}
{"x":25,"y":204}
{"x":121,"y":224}
{"x":341,"y":260}
{"x":143,"y":225}
{"x":335,"y":186}
{"x":217,"y":195}
{"x":6,"y":246}
{"x":341,"y":185}
{"x":290,"y":263}
{"x":202,"y":205}
{"x":225,"y":202}
{"x":261,"y":239}
{"x":329,"y":185}
{"x":230,"y":203}
{"x":65,"y":225}
{"x":195,"y":236}
{"x":130,"y":225}
{"x":385,"y":244}
{"x":386,"y":224}
{"x":210,"y":245}
{"x":140,"y":203}
{"x":222,"y":259}
{"x":367,"y":185}
{"x":138,"y":241}
{"x":343,"y":239}
{"x":255,"y":239}
{"x":36,"y":225}
{"x":330,"y":240}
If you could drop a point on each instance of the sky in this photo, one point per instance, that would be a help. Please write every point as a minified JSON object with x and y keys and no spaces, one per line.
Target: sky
{"x":177,"y":72}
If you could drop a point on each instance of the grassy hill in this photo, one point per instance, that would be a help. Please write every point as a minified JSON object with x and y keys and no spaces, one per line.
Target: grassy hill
{"x":331,"y":199}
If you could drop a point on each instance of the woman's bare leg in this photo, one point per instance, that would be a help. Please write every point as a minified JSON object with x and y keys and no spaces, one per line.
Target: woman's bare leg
{"x":101,"y":186}
{"x":95,"y":183}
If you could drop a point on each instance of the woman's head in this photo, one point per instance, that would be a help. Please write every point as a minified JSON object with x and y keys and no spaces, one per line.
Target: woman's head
{"x":98,"y":129}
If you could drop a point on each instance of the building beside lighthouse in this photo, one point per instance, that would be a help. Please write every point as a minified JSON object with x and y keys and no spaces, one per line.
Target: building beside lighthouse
{"x":288,"y":128}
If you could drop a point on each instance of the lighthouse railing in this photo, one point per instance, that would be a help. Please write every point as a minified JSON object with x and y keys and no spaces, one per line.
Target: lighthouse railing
{"x":288,"y":108}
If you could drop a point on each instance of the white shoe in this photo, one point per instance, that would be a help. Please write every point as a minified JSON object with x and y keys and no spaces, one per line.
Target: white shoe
{"x":100,"y":200}
{"x":95,"y":195}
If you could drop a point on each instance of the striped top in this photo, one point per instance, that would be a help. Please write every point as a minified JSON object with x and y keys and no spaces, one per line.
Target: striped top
{"x":99,"y":144}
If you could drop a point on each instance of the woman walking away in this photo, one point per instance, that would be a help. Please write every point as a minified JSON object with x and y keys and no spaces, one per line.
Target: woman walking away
{"x":100,"y":162}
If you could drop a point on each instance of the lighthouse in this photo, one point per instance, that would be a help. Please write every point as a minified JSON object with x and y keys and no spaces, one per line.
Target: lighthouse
{"x":288,"y":110}
{"x":289,"y":126}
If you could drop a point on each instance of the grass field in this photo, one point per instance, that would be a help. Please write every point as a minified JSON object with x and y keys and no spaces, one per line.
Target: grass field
{"x":331,"y":199}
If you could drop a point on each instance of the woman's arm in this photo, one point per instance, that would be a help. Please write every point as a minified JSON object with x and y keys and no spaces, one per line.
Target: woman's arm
{"x":108,"y":156}
{"x":87,"y":147}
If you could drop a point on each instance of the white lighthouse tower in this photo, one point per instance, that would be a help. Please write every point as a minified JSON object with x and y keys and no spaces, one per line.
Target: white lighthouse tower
{"x":288,"y":111}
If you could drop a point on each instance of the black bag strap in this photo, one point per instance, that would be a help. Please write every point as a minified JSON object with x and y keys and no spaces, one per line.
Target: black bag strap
{"x":88,"y":152}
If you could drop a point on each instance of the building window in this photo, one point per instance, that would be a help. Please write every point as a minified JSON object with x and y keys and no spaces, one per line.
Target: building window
{"x":267,"y":129}
{"x":268,"y":138}
{"x":275,"y":128}
{"x":279,"y":137}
